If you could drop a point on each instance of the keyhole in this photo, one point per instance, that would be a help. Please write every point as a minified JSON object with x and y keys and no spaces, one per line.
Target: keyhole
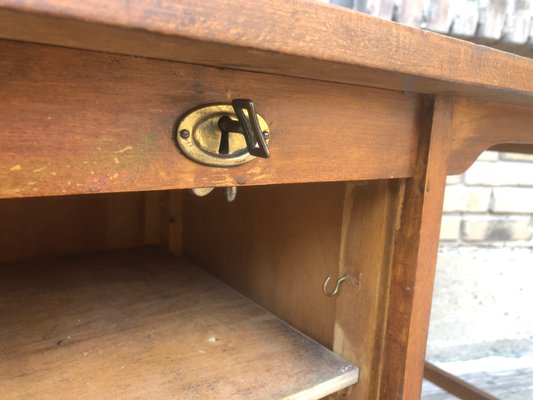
{"x":223,"y":148}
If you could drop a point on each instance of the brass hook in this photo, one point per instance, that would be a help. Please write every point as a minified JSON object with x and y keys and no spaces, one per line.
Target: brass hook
{"x":337,"y":286}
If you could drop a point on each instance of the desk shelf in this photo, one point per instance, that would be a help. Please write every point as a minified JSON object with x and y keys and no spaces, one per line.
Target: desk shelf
{"x":144,"y":324}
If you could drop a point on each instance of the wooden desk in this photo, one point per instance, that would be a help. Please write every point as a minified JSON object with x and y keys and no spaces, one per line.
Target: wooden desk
{"x":369,"y":114}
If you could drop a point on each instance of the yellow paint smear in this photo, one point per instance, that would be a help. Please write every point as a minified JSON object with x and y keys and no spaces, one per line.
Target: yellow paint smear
{"x":127,"y":148}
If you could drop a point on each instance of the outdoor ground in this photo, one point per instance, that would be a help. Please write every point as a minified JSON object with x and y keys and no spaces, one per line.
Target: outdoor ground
{"x":482,"y":319}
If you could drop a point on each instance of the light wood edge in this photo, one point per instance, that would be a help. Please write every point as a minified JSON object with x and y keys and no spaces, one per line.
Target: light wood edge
{"x":454,"y":385}
{"x":326,"y":388}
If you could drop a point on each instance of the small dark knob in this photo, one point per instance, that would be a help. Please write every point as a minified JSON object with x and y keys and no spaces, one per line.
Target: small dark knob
{"x":247,"y":125}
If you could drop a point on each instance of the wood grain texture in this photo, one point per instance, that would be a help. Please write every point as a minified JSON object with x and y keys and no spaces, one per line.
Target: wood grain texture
{"x":297,"y":38}
{"x":275,"y":245}
{"x":36,"y":227}
{"x":143,"y":324}
{"x":79,"y":122}
{"x":477,"y":127}
{"x":369,"y":221}
{"x":413,"y":265}
{"x":163,"y":219}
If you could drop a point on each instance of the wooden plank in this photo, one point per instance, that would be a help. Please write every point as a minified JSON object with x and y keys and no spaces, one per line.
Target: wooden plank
{"x":454,"y":385}
{"x":297,"y":38}
{"x":81,"y":122}
{"x":368,"y":227}
{"x":175,"y":222}
{"x":37,"y":227}
{"x":479,"y":126}
{"x":414,"y":257}
{"x":156,"y":219}
{"x":163,"y":217}
{"x":143,"y":324}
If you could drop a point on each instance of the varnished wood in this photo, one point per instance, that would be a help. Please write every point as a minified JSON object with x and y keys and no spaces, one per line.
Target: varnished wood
{"x":156,"y":218}
{"x":454,"y":385}
{"x":36,"y":227}
{"x":175,"y":221}
{"x":163,"y":219}
{"x":415,"y":252}
{"x":479,"y":126}
{"x":297,"y":38}
{"x":78,"y":122}
{"x":143,"y":324}
{"x":514,"y":148}
{"x":368,"y":227}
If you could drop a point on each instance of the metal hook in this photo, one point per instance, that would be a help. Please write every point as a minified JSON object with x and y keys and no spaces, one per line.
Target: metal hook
{"x":337,"y":286}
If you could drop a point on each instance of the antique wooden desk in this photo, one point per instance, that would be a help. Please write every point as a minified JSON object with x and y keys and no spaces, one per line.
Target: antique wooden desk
{"x":103,"y":293}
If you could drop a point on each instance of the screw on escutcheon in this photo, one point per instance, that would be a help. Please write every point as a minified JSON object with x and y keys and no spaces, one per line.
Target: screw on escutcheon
{"x":184,"y":133}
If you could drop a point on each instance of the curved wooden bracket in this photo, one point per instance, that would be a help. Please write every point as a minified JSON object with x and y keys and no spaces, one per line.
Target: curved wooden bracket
{"x":477,"y":127}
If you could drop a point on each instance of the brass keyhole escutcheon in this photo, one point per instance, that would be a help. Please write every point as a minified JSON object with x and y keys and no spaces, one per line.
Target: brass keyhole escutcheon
{"x":203,"y":137}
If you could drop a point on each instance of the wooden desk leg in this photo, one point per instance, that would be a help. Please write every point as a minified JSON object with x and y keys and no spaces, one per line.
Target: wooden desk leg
{"x":414,"y":258}
{"x":454,"y":385}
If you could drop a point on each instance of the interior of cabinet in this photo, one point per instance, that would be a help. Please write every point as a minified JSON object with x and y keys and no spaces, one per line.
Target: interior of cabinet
{"x":166,"y":294}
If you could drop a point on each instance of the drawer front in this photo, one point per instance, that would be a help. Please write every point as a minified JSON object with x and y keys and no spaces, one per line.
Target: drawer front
{"x":76,"y":121}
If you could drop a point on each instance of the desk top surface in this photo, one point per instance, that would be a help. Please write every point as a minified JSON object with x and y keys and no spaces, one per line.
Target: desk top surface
{"x":296,"y":38}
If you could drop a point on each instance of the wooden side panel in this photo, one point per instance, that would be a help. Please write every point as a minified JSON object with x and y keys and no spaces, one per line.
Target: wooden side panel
{"x":36,"y":227}
{"x":414,"y":259}
{"x":163,"y":219}
{"x":81,"y":122}
{"x":369,"y":222}
{"x":275,"y":245}
{"x":156,"y":219}
{"x":479,"y":126}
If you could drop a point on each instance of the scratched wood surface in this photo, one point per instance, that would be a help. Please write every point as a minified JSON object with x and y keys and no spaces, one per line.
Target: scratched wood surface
{"x":80,"y":122}
{"x":144,"y":324}
{"x":297,"y":38}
